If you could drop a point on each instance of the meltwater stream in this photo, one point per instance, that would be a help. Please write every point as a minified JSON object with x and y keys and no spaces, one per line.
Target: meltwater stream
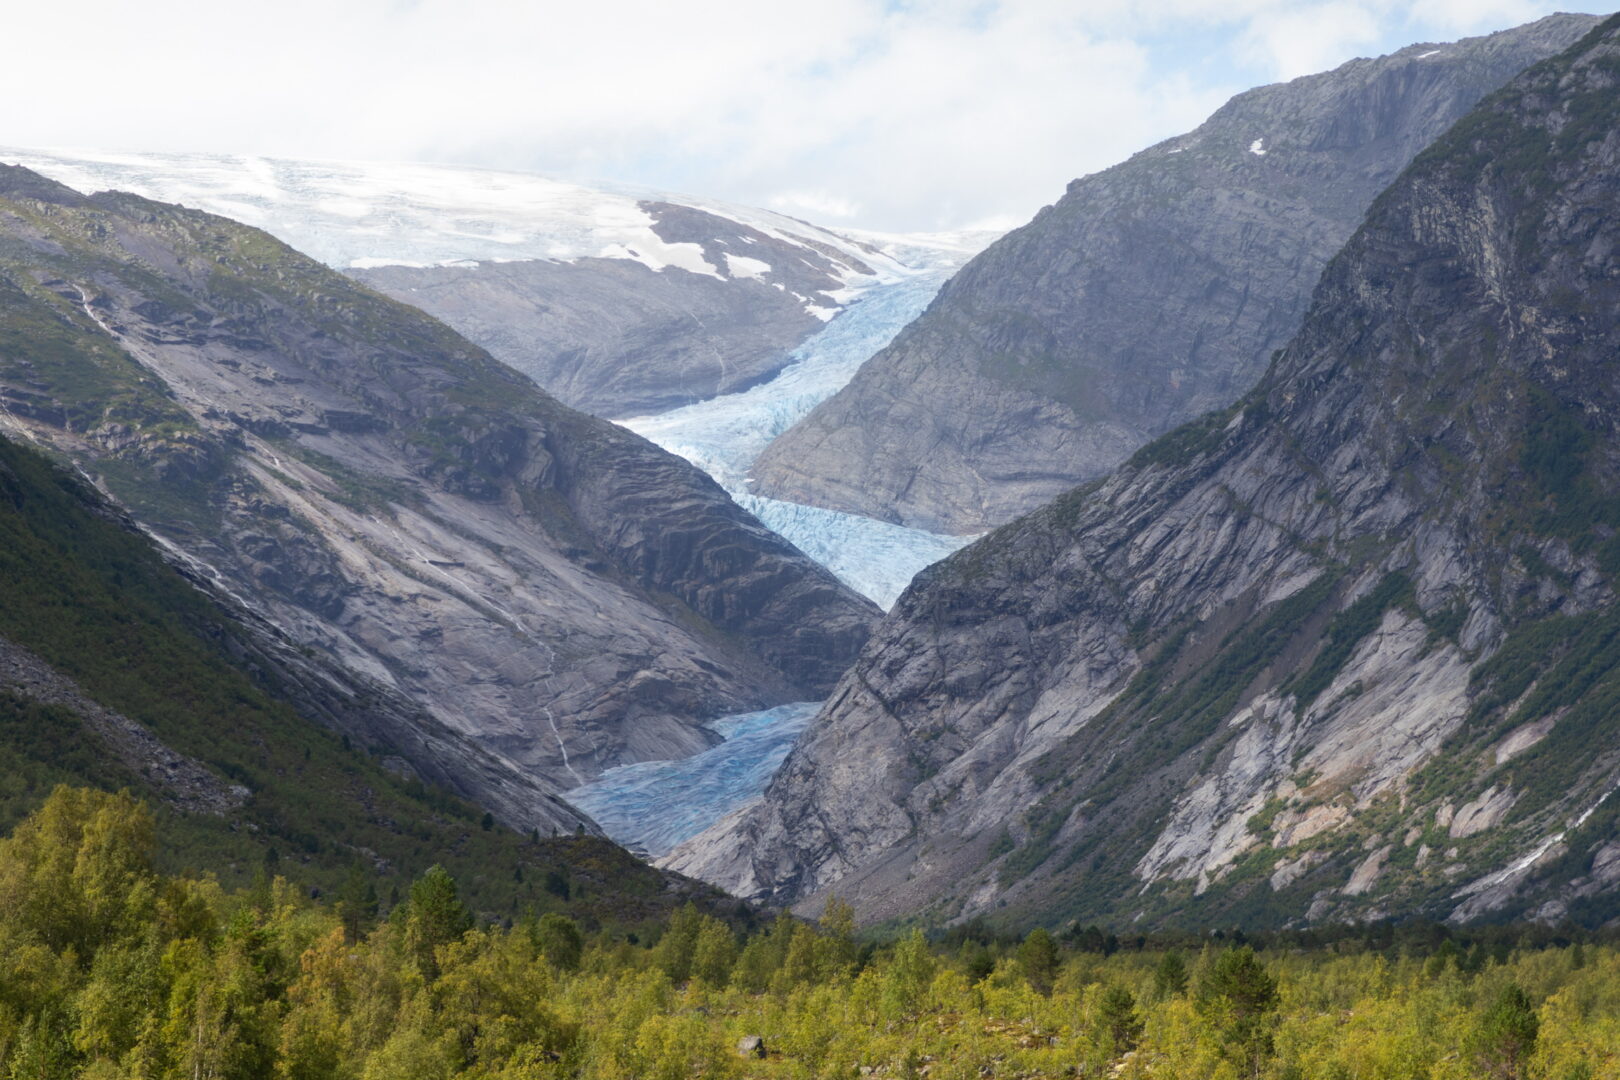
{"x":655,"y":805}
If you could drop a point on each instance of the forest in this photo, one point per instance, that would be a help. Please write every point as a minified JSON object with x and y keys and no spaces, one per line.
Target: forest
{"x":111,"y":968}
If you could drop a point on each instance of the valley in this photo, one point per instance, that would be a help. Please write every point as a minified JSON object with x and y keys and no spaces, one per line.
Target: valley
{"x":462,"y":623}
{"x":1127,"y":568}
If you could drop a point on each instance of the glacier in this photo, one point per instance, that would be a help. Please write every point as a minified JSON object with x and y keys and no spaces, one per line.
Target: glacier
{"x":652,"y":806}
{"x":723,"y":435}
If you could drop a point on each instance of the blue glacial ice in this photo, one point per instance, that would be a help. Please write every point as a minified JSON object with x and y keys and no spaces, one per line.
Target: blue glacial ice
{"x":655,"y":805}
{"x":723,"y":435}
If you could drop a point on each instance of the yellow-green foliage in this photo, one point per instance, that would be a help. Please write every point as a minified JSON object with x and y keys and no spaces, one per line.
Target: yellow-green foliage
{"x":108,"y":969}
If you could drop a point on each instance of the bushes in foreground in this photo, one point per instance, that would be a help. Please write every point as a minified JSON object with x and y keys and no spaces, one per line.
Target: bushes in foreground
{"x":108,"y":969}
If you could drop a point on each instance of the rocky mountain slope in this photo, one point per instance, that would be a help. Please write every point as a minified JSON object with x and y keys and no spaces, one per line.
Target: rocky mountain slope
{"x":117,"y":672}
{"x":616,"y":337}
{"x":618,"y":302}
{"x":1150,"y":293}
{"x":387,"y":495}
{"x":1348,"y":648}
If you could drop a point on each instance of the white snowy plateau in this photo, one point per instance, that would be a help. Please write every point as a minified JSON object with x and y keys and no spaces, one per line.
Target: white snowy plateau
{"x":355,"y":215}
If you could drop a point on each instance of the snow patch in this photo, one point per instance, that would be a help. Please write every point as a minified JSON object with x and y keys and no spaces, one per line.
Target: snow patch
{"x":367,"y":214}
{"x":1431,"y":52}
{"x":1258,"y":148}
{"x":741,"y":266}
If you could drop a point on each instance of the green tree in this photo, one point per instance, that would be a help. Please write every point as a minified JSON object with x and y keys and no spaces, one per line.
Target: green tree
{"x":1170,"y":976}
{"x":559,"y":940}
{"x":676,"y":948}
{"x":909,"y":971}
{"x":1038,"y":960}
{"x":357,"y":904}
{"x":839,"y":953}
{"x":1506,"y":1035}
{"x":977,"y":963}
{"x":715,"y":953}
{"x":1239,"y":997}
{"x":434,"y":916}
{"x":78,"y":871}
{"x":1118,"y":1024}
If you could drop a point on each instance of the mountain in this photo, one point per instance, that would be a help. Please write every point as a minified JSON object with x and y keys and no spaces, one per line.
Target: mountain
{"x":118,"y":672}
{"x":1149,"y":294}
{"x":1344,"y":650}
{"x":617,"y":301}
{"x":387,"y":495}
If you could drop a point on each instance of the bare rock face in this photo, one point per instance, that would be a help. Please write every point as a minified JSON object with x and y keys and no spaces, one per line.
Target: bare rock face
{"x":1266,"y":670}
{"x":1149,"y":294}
{"x":615,"y":337}
{"x":385,"y":495}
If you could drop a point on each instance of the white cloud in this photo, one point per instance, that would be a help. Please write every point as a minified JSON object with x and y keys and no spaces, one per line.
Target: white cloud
{"x":886,"y":114}
{"x":820,"y":205}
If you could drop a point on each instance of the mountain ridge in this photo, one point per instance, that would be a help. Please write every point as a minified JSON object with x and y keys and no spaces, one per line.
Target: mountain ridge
{"x":1341,"y":651}
{"x":617,"y":301}
{"x":1148,"y":294}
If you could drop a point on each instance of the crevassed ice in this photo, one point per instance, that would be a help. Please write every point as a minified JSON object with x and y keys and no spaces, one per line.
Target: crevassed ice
{"x":723,"y":435}
{"x":655,"y":805}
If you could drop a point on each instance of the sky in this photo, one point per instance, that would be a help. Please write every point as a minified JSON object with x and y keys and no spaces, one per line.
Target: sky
{"x":899,"y":115}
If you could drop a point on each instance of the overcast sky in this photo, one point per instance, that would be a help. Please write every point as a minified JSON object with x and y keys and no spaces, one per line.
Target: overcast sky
{"x":888,"y":115}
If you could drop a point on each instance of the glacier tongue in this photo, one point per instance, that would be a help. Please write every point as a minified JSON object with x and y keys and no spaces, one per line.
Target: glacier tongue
{"x":654,"y":805}
{"x":872,"y":557}
{"x":724,"y":435}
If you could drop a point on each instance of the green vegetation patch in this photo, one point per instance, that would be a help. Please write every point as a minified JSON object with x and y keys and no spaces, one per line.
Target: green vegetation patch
{"x":1347,"y":630}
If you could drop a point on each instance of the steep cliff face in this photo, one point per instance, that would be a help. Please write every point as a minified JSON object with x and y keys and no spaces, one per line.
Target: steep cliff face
{"x":382,"y":491}
{"x":1149,"y":294}
{"x":1344,"y":649}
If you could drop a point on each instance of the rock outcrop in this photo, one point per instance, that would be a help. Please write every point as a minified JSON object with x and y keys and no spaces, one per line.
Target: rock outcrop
{"x":1346,"y":649}
{"x":387,"y":495}
{"x":1149,"y":294}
